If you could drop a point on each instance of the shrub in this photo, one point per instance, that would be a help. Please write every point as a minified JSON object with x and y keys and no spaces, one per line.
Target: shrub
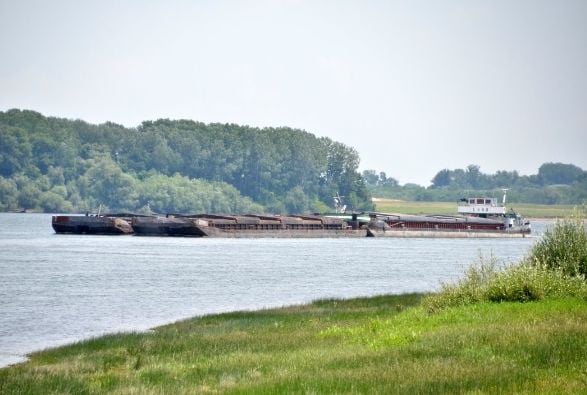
{"x":526,"y":283}
{"x":466,"y":291}
{"x":563,"y":247}
{"x":520,"y":283}
{"x":555,"y":267}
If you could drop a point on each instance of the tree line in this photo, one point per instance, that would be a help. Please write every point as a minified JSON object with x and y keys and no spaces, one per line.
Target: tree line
{"x":59,"y":165}
{"x":555,"y":183}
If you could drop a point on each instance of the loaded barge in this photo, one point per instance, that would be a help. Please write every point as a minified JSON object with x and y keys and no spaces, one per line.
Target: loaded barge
{"x":99,"y":224}
{"x":398,"y":225}
{"x":247,"y":226}
{"x":478,"y":217}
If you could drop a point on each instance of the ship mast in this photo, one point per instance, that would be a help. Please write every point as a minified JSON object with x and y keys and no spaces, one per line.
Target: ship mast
{"x":339,"y":208}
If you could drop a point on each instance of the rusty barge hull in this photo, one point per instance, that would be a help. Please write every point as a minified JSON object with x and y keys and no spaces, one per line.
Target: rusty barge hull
{"x":91,"y":225}
{"x":246,"y":226}
{"x":445,"y":233}
{"x":285,"y":233}
{"x":290,"y":226}
{"x":165,"y":226}
{"x":447,"y":226}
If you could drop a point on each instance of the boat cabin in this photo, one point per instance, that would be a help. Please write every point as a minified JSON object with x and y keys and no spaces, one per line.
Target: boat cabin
{"x":481,"y":206}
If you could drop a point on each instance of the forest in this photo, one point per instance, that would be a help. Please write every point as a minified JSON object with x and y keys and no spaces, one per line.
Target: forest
{"x":181,"y":166}
{"x":555,"y":183}
{"x":59,"y":165}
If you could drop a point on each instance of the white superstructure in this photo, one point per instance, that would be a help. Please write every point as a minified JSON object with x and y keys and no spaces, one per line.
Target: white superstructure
{"x":481,"y":206}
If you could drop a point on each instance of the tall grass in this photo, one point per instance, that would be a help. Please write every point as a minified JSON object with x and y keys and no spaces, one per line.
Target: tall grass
{"x":555,"y":267}
{"x":563,"y":248}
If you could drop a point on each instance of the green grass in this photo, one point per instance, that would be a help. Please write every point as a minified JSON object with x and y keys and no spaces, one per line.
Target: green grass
{"x":527,"y":210}
{"x":385,"y":344}
{"x":556,"y":267}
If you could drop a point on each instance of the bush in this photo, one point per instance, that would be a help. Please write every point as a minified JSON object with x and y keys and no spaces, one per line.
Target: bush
{"x":563,"y":247}
{"x":555,"y":267}
{"x":519,"y":283}
{"x":526,"y":283}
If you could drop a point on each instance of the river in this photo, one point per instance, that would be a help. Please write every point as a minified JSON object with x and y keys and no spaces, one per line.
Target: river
{"x":57,"y":289}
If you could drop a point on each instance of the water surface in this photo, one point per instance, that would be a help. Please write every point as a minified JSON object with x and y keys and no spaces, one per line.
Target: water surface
{"x":56,"y":289}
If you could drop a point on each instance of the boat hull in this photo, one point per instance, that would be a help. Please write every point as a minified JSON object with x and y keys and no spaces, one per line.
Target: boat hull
{"x":284,"y":233}
{"x":402,"y":225}
{"x":166,"y":227}
{"x":92,"y":225}
{"x":448,"y":234}
{"x":274,"y":226}
{"x":245,"y":227}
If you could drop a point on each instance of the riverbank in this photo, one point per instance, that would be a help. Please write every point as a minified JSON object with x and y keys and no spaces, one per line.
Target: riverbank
{"x":385,"y":344}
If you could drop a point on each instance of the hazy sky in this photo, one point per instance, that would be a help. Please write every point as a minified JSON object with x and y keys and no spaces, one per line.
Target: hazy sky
{"x":414,"y":86}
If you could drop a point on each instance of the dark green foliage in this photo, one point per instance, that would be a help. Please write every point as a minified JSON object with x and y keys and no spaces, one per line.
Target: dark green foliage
{"x":559,"y":173}
{"x":555,"y":183}
{"x":563,"y":248}
{"x":54,"y":164}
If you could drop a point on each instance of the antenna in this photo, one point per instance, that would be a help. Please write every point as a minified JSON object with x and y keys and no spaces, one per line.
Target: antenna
{"x":338,"y":206}
{"x":505,"y":191}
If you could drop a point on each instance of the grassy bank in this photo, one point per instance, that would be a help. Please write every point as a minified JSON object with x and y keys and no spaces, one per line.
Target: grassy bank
{"x":520,"y":329}
{"x":526,"y":209}
{"x":381,"y":344}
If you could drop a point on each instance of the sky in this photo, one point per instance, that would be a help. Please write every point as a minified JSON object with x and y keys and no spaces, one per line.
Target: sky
{"x":414,"y":86}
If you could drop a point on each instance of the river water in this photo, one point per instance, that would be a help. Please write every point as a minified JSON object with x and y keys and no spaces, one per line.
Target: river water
{"x":57,"y":289}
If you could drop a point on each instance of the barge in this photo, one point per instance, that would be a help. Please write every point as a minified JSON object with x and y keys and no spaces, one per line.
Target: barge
{"x":99,"y":224}
{"x":478,"y":217}
{"x":247,"y":226}
{"x":397,"y":225}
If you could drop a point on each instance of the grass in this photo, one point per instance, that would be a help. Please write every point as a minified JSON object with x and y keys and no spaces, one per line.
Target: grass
{"x":525,"y":282}
{"x":385,"y":344}
{"x":521,"y":329}
{"x":527,"y":210}
{"x":555,"y":267}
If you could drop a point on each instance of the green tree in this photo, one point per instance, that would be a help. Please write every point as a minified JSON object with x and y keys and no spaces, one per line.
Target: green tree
{"x":441,"y":179}
{"x":559,"y":173}
{"x":371,"y":177}
{"x":8,"y":194}
{"x":105,"y":164}
{"x":296,"y":201}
